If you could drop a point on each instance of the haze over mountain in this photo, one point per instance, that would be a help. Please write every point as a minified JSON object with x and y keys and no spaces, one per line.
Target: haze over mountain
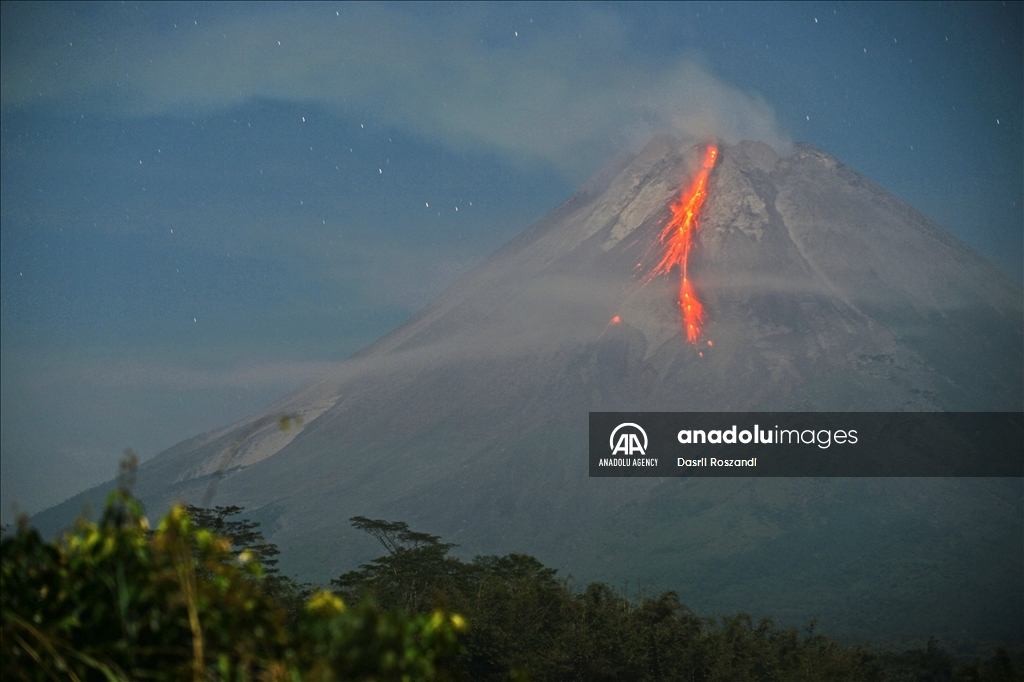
{"x":823,"y":293}
{"x":203,"y":205}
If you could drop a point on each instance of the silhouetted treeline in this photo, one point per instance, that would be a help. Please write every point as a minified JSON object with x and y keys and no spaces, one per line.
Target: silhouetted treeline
{"x":525,"y":623}
{"x":200,"y":597}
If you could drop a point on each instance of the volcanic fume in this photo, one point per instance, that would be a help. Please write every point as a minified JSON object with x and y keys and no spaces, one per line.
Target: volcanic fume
{"x":820,"y":291}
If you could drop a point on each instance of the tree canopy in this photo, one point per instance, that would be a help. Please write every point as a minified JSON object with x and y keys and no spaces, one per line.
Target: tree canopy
{"x":200,"y":597}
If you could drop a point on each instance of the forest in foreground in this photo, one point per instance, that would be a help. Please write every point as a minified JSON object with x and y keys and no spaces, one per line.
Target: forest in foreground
{"x":200,"y":597}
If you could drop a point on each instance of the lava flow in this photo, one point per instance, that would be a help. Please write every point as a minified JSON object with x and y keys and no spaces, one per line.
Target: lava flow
{"x":678,"y":238}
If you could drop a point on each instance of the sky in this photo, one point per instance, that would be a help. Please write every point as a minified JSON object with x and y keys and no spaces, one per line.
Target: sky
{"x":206,"y":206}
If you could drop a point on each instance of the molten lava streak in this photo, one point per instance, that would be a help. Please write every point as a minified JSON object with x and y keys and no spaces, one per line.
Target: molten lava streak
{"x":678,"y":238}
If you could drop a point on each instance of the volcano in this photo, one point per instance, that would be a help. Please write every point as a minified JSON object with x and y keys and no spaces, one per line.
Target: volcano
{"x":820,"y":292}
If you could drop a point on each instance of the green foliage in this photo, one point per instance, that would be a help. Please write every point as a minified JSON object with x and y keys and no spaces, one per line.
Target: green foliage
{"x":200,"y":598}
{"x":117,"y":601}
{"x":247,"y":544}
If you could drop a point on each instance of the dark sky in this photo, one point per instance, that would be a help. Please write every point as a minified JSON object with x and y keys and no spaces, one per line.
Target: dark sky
{"x":203,"y":206}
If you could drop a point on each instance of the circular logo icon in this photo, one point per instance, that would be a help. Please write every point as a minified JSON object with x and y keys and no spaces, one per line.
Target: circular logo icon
{"x":628,"y":442}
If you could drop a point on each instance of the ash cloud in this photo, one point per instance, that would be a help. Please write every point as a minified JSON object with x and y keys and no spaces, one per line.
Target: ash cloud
{"x":565,"y":92}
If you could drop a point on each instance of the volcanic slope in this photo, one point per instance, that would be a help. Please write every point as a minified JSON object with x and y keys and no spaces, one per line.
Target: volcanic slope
{"x":823,"y":293}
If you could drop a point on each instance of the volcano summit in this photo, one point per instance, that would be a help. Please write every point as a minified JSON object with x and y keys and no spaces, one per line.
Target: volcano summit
{"x":820,"y":292}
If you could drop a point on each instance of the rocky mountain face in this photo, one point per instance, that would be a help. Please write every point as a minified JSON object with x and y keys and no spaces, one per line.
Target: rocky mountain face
{"x":823,"y":293}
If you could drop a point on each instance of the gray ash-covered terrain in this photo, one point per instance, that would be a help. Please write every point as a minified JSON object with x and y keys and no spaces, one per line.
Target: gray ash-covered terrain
{"x":823,"y":292}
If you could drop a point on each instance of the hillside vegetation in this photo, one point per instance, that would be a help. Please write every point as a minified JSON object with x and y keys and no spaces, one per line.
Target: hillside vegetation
{"x":199,"y":597}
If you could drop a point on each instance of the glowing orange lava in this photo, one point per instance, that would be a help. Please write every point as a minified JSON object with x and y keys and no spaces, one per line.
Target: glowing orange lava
{"x":677,"y":238}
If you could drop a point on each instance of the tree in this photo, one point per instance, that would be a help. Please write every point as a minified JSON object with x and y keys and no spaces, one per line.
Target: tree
{"x":118,"y":601}
{"x":249,"y":545}
{"x":414,"y":575}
